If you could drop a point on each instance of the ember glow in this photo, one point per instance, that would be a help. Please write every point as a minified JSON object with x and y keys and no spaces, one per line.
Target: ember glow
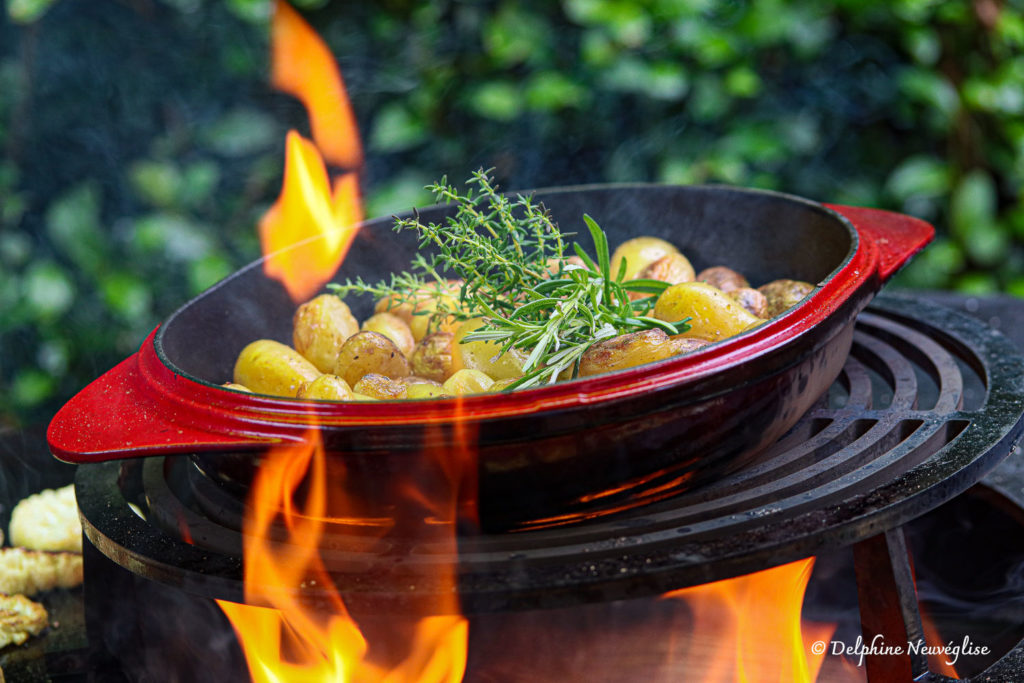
{"x":295,"y":625}
{"x":748,"y":629}
{"x":308,"y":207}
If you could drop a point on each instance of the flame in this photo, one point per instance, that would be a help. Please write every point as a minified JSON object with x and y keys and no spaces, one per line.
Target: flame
{"x":308,"y":207}
{"x":937,"y":663}
{"x":301,"y":65}
{"x":748,"y":629}
{"x":288,"y":638}
{"x":305,"y":210}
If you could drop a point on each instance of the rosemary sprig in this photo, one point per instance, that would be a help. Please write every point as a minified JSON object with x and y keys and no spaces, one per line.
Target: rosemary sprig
{"x":503,"y":249}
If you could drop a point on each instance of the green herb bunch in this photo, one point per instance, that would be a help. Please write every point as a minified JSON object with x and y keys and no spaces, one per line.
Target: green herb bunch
{"x":511,"y":259}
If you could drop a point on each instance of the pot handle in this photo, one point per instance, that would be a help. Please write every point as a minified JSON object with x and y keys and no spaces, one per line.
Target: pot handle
{"x":897,"y":236}
{"x":120,"y":415}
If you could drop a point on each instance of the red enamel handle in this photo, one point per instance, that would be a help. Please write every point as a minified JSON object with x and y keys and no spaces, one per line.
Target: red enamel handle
{"x":897,"y":236}
{"x":135,"y":408}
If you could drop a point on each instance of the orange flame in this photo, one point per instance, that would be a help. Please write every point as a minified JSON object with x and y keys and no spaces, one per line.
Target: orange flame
{"x":285,"y":638}
{"x":748,"y":629}
{"x":301,"y":65}
{"x":307,"y":208}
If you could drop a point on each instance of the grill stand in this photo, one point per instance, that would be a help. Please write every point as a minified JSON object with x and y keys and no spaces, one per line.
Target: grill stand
{"x":889,"y":611}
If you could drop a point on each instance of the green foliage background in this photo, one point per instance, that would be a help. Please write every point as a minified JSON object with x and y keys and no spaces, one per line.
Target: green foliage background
{"x":140,"y":143}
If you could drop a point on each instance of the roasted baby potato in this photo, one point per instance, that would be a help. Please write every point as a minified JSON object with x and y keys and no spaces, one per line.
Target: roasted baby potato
{"x":432,"y":357}
{"x":784,"y":294}
{"x":754,"y":301}
{"x":269,"y":367}
{"x":320,"y":326}
{"x":421,"y":387}
{"x":502,"y":384}
{"x":381,"y":387}
{"x":671,"y":268}
{"x":485,"y":356}
{"x":392,"y":327}
{"x":639,"y":253}
{"x":467,"y":381}
{"x":725,"y":279}
{"x":714,"y":314}
{"x":630,"y":350}
{"x":326,"y":388}
{"x":422,"y":318}
{"x":369,"y":352}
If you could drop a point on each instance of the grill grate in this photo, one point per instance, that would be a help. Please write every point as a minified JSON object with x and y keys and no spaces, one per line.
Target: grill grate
{"x":928,"y":402}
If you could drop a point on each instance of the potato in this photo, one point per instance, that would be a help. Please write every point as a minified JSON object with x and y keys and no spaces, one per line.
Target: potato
{"x":725,"y":279}
{"x":754,"y":301}
{"x":427,"y":389}
{"x":369,"y":352}
{"x":468,"y":381}
{"x":320,"y":326}
{"x":554,"y":265}
{"x":380,"y":387}
{"x":485,"y":356}
{"x":269,"y":367}
{"x":671,"y":268}
{"x":236,"y":387}
{"x":392,"y":327}
{"x":421,"y":317}
{"x":502,"y":384}
{"x":630,"y":350}
{"x":432,"y":357}
{"x":784,"y":294}
{"x":715,"y":315}
{"x":639,"y":253}
{"x":416,"y":379}
{"x":326,"y":388}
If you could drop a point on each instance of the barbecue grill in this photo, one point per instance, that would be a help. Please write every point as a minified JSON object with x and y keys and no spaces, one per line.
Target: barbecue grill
{"x":927,"y":403}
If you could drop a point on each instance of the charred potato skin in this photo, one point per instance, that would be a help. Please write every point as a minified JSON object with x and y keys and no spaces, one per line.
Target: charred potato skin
{"x":369,"y":352}
{"x":628,"y":351}
{"x":319,"y":328}
{"x":784,"y":294}
{"x":713,"y":314}
{"x":432,"y":357}
{"x":269,"y":367}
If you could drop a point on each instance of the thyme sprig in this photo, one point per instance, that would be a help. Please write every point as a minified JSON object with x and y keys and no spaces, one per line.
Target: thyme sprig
{"x":516,"y":274}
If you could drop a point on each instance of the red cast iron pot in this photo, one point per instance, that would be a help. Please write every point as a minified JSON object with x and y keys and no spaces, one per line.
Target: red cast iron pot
{"x":547,"y":455}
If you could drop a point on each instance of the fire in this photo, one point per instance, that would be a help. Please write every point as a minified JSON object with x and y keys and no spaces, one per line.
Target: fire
{"x":288,"y":638}
{"x":748,"y":629}
{"x":308,"y":207}
{"x":301,"y":65}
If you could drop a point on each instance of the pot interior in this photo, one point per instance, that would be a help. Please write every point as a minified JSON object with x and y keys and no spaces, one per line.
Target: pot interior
{"x":763,"y":235}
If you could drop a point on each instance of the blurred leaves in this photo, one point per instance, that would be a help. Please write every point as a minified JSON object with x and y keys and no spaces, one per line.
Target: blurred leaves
{"x":27,"y":11}
{"x":142,"y":143}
